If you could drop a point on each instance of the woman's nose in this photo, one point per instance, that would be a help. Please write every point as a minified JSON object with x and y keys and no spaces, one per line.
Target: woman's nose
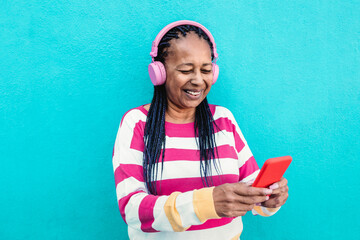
{"x":197,"y":77}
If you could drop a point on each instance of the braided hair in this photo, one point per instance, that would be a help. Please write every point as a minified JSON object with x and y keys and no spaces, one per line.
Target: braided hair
{"x":154,"y":133}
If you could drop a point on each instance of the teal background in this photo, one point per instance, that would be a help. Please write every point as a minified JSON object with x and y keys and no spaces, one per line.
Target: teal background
{"x":69,"y":70}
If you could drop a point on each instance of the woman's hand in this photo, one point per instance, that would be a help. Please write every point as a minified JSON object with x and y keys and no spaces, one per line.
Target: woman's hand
{"x":279,"y":195}
{"x":235,"y":199}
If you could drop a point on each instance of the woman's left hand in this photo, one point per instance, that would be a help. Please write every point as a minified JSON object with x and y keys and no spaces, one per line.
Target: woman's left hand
{"x":279,"y":195}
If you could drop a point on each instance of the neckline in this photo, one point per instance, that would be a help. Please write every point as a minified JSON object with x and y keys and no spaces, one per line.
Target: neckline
{"x":166,"y":122}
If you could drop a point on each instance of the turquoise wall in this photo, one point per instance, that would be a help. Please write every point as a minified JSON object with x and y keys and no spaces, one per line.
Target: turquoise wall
{"x":69,"y":70}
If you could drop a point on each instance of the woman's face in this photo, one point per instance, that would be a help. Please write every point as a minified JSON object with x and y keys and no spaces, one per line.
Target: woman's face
{"x":188,"y":71}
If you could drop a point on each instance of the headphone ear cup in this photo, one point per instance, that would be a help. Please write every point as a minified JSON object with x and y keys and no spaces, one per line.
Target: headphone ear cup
{"x":215,"y":69}
{"x":157,"y":73}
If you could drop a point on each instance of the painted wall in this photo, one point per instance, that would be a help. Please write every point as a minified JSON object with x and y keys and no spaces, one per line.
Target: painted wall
{"x":289,"y":71}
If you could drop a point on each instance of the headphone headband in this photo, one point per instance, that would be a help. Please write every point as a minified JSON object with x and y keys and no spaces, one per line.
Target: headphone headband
{"x":154,"y":48}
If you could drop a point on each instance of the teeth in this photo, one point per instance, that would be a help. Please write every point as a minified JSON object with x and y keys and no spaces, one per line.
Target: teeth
{"x":193,"y":93}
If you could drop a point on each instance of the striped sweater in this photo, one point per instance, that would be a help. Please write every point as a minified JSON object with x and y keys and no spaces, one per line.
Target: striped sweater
{"x":183,"y":208}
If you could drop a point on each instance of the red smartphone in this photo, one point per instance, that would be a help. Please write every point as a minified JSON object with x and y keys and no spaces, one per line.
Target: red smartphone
{"x":272,"y":171}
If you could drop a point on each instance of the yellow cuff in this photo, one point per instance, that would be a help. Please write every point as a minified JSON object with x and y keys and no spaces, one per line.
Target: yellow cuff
{"x":259,"y":210}
{"x":203,"y":203}
{"x":172,"y":214}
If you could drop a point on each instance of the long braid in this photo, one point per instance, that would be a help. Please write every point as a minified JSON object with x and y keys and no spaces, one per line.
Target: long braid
{"x":154,"y":134}
{"x":204,"y":130}
{"x":154,"y":137}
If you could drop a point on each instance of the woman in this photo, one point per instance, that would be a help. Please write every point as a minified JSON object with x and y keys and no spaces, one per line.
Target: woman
{"x":183,"y":168}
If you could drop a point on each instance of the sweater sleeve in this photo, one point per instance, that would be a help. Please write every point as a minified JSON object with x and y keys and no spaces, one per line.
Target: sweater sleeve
{"x":144,"y":211}
{"x":248,"y":168}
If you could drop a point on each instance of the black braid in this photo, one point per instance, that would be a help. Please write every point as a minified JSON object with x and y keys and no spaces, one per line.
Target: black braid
{"x":154,"y":135}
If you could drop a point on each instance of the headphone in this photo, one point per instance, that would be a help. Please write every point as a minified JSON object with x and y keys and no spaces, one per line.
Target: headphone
{"x":157,"y":69}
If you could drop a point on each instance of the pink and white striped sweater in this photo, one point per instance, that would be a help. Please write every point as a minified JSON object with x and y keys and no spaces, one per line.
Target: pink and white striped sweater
{"x":184,"y":208}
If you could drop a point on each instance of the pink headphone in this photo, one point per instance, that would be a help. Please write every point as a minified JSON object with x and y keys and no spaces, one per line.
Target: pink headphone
{"x":157,"y":69}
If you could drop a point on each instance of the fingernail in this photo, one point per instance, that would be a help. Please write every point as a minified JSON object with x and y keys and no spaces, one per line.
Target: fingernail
{"x":257,"y":204}
{"x":274,"y":186}
{"x":268,"y":191}
{"x":267,"y":198}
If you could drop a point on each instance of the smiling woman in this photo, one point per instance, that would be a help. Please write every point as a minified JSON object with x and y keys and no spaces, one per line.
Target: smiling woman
{"x":188,"y":74}
{"x":182,"y":166}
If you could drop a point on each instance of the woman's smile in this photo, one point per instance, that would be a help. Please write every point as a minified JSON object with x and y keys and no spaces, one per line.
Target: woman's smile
{"x":193,"y":94}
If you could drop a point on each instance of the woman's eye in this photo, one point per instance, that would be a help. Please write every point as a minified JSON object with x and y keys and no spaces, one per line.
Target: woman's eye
{"x":190,"y":71}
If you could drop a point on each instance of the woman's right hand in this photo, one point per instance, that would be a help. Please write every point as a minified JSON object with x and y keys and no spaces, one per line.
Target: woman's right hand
{"x":235,"y":199}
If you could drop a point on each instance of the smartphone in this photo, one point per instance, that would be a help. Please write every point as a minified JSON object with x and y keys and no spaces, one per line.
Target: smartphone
{"x":272,"y":171}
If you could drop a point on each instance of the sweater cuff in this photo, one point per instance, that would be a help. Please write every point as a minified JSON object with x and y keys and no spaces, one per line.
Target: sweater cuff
{"x":203,"y":203}
{"x":264,"y":211}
